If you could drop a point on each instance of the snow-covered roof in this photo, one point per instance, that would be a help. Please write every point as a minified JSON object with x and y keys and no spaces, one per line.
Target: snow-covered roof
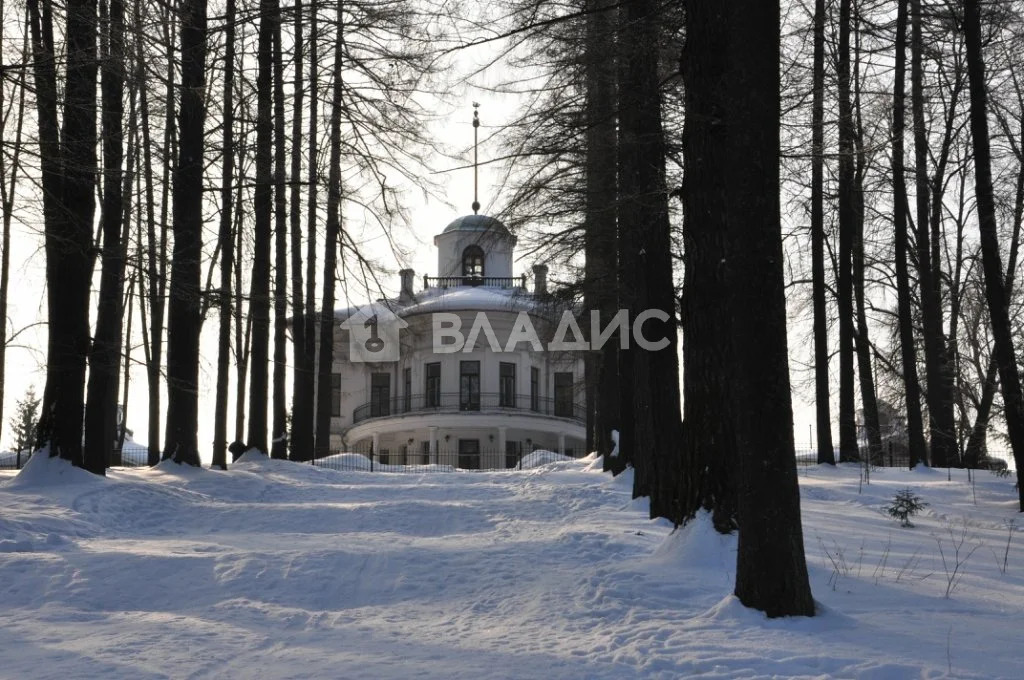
{"x":471,"y":298}
{"x":477,"y":223}
{"x":455,"y":299}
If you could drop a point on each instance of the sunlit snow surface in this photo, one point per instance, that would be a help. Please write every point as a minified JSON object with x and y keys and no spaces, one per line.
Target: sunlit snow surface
{"x":281,"y":570}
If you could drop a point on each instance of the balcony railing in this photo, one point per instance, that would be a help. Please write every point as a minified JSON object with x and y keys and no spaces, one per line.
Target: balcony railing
{"x":455,"y":402}
{"x":489,"y":281}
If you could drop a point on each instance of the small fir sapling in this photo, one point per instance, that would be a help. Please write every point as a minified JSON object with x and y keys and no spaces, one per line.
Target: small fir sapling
{"x":905,"y":505}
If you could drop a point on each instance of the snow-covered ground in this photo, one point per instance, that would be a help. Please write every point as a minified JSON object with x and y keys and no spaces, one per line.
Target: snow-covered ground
{"x":281,"y":570}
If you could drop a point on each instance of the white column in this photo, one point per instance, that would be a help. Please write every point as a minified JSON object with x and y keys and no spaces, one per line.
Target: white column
{"x":433,"y":444}
{"x":561,"y":444}
{"x":376,"y":445}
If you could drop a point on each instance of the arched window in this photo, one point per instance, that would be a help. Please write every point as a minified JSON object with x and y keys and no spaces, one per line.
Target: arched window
{"x":473,"y":261}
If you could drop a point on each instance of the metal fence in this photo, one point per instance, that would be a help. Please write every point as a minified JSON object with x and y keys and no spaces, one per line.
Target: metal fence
{"x":449,"y":460}
{"x":135,"y":456}
{"x":444,"y":460}
{"x":897,"y":457}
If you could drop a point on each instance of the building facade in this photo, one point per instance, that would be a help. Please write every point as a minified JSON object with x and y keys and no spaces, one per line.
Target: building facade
{"x":473,"y":382}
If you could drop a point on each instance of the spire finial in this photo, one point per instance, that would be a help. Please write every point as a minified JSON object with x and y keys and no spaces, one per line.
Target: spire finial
{"x":476,"y":125}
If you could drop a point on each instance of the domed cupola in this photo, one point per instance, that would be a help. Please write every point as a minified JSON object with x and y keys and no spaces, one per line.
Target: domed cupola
{"x":475,"y":246}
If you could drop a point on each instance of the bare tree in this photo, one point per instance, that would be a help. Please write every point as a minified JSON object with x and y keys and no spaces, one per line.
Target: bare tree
{"x":183,"y":321}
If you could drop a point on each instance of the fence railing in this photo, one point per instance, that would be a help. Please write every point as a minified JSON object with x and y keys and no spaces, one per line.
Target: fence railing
{"x":897,"y":457}
{"x":486,"y":459}
{"x":444,"y":460}
{"x":135,"y":456}
{"x":489,"y":281}
{"x":455,"y":402}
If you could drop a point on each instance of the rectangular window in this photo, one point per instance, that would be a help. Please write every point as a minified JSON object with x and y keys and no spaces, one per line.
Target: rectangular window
{"x":507,"y":384}
{"x":534,"y":388}
{"x":425,"y":453}
{"x":563,"y":395}
{"x":432,"y":388}
{"x":513,"y":452}
{"x":407,"y":390}
{"x":469,"y":385}
{"x":335,"y":395}
{"x":380,"y":394}
{"x":469,"y":454}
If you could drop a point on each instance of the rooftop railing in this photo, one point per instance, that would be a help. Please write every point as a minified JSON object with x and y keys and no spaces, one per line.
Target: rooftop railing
{"x":487,"y":281}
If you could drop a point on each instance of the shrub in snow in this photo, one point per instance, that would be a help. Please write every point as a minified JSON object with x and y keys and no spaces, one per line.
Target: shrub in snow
{"x":905,"y":505}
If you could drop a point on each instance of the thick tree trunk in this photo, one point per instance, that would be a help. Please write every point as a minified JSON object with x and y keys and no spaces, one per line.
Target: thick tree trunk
{"x":40,"y":15}
{"x":847,"y":219}
{"x":647,"y":265}
{"x":732,"y":59}
{"x":709,"y":441}
{"x":941,"y":431}
{"x":995,"y":290}
{"x":259,"y":290}
{"x":183,"y":318}
{"x":600,"y":224}
{"x":979,"y":431}
{"x":156,"y":243}
{"x":69,"y":232}
{"x":227,"y":245}
{"x":324,"y":393}
{"x":104,"y":361}
{"x":822,"y":387}
{"x":301,"y":435}
{"x":308,"y":387}
{"x":865,"y":370}
{"x":279,"y":404}
{"x":901,"y":207}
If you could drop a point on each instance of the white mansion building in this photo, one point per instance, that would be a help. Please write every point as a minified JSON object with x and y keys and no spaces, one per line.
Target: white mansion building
{"x":482,"y":404}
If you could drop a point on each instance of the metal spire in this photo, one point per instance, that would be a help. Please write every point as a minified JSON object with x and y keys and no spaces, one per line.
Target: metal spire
{"x":476,"y":125}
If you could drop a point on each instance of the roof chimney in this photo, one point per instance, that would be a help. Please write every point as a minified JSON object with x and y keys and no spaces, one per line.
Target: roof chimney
{"x":540,"y":279}
{"x":406,"y":293}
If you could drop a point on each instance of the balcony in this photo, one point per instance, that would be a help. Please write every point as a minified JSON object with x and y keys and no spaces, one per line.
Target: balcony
{"x":487,"y":281}
{"x":454,"y":402}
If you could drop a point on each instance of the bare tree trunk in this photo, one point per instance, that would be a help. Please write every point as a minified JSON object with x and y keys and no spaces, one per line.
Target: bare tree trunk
{"x":69,"y":241}
{"x":183,"y":320}
{"x":901,"y":207}
{"x":995,"y":290}
{"x":308,"y":420}
{"x":156,"y":243}
{"x":822,"y":388}
{"x":942,"y":436}
{"x":731,"y":63}
{"x":979,"y":431}
{"x":279,"y":405}
{"x":301,"y":435}
{"x":123,"y":428}
{"x":227,"y":245}
{"x":865,"y":371}
{"x":847,"y":219}
{"x":243,"y":332}
{"x":259,"y":286}
{"x":324,"y":393}
{"x":647,"y":265}
{"x":8,"y":184}
{"x":104,"y":361}
{"x":600,"y":239}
